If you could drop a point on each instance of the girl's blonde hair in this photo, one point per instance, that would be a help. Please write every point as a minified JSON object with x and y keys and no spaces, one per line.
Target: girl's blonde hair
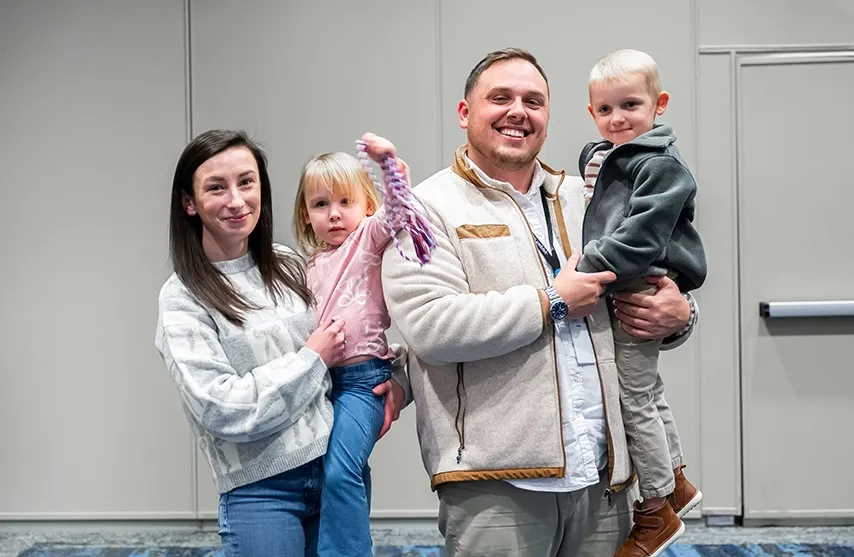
{"x":339,"y":174}
{"x":621,"y":63}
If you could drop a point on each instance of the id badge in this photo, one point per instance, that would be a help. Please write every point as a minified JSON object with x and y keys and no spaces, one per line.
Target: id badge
{"x":581,"y":342}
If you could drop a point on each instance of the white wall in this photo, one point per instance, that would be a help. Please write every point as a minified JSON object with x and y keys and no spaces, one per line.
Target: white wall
{"x":93,"y":118}
{"x":780,"y":23}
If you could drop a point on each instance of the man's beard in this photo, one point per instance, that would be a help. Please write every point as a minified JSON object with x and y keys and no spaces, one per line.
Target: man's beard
{"x":506,"y":159}
{"x":512,"y":161}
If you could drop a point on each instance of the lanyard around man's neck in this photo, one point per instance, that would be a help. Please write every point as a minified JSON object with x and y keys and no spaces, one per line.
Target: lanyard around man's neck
{"x":550,"y":254}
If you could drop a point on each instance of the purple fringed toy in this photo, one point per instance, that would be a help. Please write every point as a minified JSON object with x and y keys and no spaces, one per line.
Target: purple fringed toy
{"x":401,"y":213}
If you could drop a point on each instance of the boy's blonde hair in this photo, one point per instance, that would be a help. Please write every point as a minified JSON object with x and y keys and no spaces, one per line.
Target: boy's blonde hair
{"x":340,"y":174}
{"x":621,"y":63}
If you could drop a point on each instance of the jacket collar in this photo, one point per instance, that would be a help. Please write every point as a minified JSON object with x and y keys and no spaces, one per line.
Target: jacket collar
{"x":465,"y":169}
{"x":660,"y":136}
{"x":553,"y":179}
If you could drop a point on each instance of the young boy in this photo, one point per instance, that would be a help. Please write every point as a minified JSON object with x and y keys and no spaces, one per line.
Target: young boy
{"x":639,"y":223}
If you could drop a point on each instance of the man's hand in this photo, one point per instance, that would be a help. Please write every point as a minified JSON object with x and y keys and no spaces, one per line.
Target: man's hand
{"x":658,"y":315}
{"x":394,"y":400}
{"x":581,"y":291}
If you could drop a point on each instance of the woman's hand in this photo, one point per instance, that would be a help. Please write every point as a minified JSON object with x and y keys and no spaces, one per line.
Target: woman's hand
{"x":328,"y":341}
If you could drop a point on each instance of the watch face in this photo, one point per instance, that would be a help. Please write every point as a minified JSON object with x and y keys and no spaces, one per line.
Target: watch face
{"x":559,"y":311}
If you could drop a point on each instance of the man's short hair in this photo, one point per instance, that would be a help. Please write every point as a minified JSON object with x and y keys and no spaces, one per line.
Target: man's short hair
{"x":621,"y":63}
{"x":510,"y":53}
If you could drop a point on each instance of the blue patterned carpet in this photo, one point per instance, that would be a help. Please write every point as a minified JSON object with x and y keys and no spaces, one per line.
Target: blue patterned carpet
{"x":677,"y":550}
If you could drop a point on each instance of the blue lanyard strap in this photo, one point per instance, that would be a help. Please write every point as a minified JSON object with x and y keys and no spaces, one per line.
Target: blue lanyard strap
{"x":549,"y":254}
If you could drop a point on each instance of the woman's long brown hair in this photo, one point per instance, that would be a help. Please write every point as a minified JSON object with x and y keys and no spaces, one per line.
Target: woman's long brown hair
{"x":282,"y":273}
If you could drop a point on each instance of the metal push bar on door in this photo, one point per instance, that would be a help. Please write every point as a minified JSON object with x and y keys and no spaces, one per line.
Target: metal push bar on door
{"x":838,"y":308}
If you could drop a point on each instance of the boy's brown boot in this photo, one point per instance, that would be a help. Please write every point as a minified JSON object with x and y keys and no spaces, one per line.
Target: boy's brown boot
{"x":653,"y":532}
{"x":685,"y":496}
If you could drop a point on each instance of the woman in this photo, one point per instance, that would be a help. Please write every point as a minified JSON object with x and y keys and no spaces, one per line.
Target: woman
{"x":238,"y":336}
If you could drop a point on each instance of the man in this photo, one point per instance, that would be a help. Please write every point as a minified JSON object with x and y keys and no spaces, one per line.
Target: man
{"x":512,"y":362}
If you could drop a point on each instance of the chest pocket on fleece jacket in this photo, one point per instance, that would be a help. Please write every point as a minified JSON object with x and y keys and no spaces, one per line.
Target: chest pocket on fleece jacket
{"x":490,"y":257}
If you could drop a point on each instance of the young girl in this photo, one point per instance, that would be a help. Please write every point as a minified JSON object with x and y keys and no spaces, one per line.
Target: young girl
{"x":338,"y":223}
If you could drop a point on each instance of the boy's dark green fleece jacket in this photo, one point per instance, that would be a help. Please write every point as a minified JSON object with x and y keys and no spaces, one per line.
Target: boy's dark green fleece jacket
{"x":639,"y":221}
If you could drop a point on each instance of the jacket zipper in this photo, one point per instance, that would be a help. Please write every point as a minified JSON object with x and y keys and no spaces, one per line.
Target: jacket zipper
{"x":460,"y":420}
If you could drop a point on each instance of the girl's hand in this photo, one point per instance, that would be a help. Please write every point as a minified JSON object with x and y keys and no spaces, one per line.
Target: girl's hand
{"x":378,"y":147}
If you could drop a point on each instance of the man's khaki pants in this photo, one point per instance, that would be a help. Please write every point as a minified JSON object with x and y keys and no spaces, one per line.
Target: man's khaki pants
{"x":496,"y":519}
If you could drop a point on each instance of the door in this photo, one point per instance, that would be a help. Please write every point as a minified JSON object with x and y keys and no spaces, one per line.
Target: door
{"x":796,"y":216}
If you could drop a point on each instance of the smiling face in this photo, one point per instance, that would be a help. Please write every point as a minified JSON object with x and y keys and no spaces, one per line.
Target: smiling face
{"x":227,"y":199}
{"x":625,"y":108}
{"x":506,"y":117}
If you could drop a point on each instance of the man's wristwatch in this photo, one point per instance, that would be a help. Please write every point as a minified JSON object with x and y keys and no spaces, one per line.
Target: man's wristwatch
{"x":558,"y":310}
{"x":692,"y":319}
